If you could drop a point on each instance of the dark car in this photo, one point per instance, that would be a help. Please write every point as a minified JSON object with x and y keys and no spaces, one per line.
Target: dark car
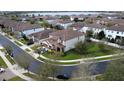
{"x":12,"y":55}
{"x":64,"y":77}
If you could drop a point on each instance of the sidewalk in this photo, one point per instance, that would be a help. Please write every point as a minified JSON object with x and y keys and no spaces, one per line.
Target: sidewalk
{"x":10,"y":66}
{"x":81,"y":60}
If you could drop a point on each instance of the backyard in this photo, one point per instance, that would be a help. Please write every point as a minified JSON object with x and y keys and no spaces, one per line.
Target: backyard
{"x":91,"y":50}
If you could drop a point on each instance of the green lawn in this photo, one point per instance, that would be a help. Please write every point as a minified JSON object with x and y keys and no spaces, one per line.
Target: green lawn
{"x":10,"y":59}
{"x":35,"y":77}
{"x":18,"y":43}
{"x":16,"y":79}
{"x":2,"y":63}
{"x":22,"y":40}
{"x":35,"y":47}
{"x":93,"y":50}
{"x":69,"y":55}
{"x":2,"y":49}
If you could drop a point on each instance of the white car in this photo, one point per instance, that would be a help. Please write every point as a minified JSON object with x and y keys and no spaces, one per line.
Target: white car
{"x":2,"y":70}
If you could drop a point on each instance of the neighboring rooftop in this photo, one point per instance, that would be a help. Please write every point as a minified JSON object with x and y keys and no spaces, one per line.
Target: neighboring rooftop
{"x":42,"y":34}
{"x":116,"y":28}
{"x":18,"y":26}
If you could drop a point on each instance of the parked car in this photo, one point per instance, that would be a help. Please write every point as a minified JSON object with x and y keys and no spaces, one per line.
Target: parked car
{"x":12,"y":55}
{"x":64,"y":77}
{"x":2,"y":70}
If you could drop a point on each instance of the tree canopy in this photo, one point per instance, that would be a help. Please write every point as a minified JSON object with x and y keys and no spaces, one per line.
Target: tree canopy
{"x":114,"y":71}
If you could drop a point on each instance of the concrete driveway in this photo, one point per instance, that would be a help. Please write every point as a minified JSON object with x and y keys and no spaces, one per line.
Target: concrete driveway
{"x":6,"y":75}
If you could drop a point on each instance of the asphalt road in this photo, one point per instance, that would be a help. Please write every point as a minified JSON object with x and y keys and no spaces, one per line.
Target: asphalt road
{"x":34,"y":64}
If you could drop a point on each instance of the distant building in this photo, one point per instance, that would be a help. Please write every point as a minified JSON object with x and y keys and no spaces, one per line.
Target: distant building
{"x":20,"y":28}
{"x":64,"y":23}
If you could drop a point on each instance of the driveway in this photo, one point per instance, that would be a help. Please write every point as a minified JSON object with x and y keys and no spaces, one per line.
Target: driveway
{"x":8,"y":74}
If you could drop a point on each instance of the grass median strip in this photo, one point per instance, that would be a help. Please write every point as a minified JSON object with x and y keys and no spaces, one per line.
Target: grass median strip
{"x":16,"y":79}
{"x":2,"y":49}
{"x":28,"y":50}
{"x":35,"y":77}
{"x":2,"y":63}
{"x":10,"y":59}
{"x":23,"y":41}
{"x":18,"y":43}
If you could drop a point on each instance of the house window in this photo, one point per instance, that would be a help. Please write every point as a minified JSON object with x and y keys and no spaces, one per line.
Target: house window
{"x":117,"y":32}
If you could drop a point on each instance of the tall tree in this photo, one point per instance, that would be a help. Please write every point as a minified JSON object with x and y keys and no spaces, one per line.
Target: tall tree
{"x":47,"y":70}
{"x":82,"y":72}
{"x":9,"y":49}
{"x":81,"y":48}
{"x":114,"y":71}
{"x":23,"y":61}
{"x":89,"y":34}
{"x":101,"y":35}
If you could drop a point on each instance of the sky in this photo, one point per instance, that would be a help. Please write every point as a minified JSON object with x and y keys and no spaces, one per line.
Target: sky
{"x":61,"y":5}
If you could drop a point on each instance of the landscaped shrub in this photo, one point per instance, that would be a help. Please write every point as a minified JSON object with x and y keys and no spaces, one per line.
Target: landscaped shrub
{"x":81,"y":48}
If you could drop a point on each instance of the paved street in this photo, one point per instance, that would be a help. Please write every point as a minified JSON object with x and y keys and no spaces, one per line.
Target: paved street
{"x":34,"y":64}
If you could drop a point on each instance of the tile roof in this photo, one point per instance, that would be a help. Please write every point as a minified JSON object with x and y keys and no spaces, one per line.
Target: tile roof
{"x":18,"y":26}
{"x":95,"y":26}
{"x":78,"y":25}
{"x":66,"y":34}
{"x":41,"y":35}
{"x":116,"y":28}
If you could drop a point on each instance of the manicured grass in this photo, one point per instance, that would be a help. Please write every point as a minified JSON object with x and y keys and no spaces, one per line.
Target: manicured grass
{"x":10,"y":59}
{"x":7,"y":35}
{"x":18,"y":43}
{"x":2,"y":49}
{"x":16,"y":79}
{"x":35,"y":77}
{"x":99,"y":78}
{"x":60,"y":63}
{"x":70,"y":55}
{"x":93,"y":50}
{"x":28,"y":50}
{"x":22,"y":40}
{"x":2,"y":63}
{"x":35,"y":47}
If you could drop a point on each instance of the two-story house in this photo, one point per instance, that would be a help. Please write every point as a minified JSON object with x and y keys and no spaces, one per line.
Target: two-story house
{"x":63,"y":40}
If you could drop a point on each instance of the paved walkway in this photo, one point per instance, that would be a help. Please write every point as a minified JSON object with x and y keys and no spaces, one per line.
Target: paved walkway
{"x":82,"y":60}
{"x":15,"y":71}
